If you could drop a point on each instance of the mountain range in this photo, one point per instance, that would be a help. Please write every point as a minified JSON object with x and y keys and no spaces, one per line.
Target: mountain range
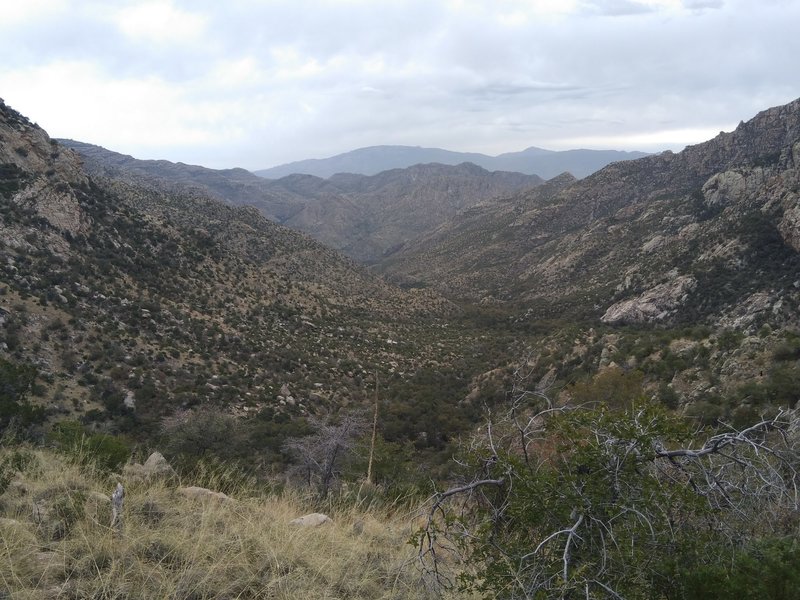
{"x":366,"y":217}
{"x":135,"y":304}
{"x":141,"y":291}
{"x":531,"y":161}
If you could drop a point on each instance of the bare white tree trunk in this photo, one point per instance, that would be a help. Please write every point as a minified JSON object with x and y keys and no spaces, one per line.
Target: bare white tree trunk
{"x":116,"y":507}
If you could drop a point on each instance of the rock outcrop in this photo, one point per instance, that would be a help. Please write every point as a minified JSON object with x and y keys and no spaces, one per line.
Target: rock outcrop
{"x":789,"y":225}
{"x":716,"y":211}
{"x":656,"y":304}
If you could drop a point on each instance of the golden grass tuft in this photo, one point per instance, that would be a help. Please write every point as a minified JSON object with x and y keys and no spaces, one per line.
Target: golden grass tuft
{"x":55,"y":543}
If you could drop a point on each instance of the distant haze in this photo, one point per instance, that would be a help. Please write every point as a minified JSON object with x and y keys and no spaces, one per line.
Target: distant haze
{"x":532,"y":161}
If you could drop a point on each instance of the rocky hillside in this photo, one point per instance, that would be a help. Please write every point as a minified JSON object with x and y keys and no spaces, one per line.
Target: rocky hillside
{"x":364,"y":217}
{"x":134,"y":304}
{"x":676,"y":272}
{"x":371,"y":217}
{"x":232,"y":186}
{"x":532,"y":161}
{"x":702,"y":234}
{"x":136,"y":301}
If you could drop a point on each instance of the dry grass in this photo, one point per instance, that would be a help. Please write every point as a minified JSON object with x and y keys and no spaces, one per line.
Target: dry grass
{"x":55,"y":542}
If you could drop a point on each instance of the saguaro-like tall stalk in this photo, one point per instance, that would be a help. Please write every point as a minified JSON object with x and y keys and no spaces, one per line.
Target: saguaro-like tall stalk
{"x":374,"y":433}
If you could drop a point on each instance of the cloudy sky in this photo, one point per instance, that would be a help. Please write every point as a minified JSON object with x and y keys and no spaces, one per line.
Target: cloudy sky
{"x":255,"y":83}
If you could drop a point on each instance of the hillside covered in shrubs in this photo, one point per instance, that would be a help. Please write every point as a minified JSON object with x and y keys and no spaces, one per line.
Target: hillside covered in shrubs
{"x":613,"y":364}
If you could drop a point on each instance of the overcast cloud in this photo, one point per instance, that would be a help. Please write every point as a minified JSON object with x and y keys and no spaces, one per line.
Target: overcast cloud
{"x":258,"y":83}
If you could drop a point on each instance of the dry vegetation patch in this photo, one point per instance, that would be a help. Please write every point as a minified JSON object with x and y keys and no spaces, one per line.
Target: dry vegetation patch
{"x":55,"y":542}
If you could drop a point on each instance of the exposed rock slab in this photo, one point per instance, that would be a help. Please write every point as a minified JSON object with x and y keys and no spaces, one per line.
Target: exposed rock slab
{"x":656,"y":304}
{"x":789,"y":226}
{"x":155,"y":467}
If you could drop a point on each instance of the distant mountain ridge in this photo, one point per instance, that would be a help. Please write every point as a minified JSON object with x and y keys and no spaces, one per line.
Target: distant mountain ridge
{"x":366,"y":217}
{"x":531,"y":161}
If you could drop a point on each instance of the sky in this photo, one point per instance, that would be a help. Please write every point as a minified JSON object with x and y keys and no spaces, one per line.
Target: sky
{"x":257,"y":83}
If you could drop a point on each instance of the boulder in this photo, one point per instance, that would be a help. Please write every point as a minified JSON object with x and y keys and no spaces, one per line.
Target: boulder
{"x":311,"y":520}
{"x":155,"y":467}
{"x":204,"y":494}
{"x":789,"y":227}
{"x":724,"y":188}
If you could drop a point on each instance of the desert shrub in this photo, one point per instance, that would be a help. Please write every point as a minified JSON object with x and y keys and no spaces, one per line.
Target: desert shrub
{"x":668,"y":396}
{"x":103,"y":451}
{"x":629,"y":502}
{"x":780,"y":387}
{"x":729,"y":339}
{"x":613,"y":387}
{"x":107,"y":393}
{"x":16,"y":381}
{"x":706,"y":412}
{"x":788,"y":350}
{"x":767,"y":568}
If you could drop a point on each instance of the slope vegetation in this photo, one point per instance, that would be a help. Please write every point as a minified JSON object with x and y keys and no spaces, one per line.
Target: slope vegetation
{"x":667,"y":238}
{"x":133,"y":303}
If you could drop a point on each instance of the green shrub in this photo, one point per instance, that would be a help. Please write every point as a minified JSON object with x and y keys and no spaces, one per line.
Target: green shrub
{"x":16,"y":381}
{"x":788,"y":350}
{"x":105,"y":452}
{"x":767,"y":568}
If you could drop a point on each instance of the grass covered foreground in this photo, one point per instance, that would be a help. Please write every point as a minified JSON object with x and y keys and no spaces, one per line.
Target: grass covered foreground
{"x":56,"y":540}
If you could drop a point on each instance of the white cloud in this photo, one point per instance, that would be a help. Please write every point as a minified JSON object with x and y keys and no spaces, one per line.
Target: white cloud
{"x":18,"y":13}
{"x":673,"y":139}
{"x":245,"y":71}
{"x":75,"y":99}
{"x":252,"y":83}
{"x":160,"y":22}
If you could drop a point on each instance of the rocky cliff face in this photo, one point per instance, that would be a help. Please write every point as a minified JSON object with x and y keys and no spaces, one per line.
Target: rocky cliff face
{"x":41,"y":175}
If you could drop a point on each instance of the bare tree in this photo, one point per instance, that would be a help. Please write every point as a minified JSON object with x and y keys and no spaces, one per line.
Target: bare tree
{"x":592,"y":501}
{"x":320,"y":454}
